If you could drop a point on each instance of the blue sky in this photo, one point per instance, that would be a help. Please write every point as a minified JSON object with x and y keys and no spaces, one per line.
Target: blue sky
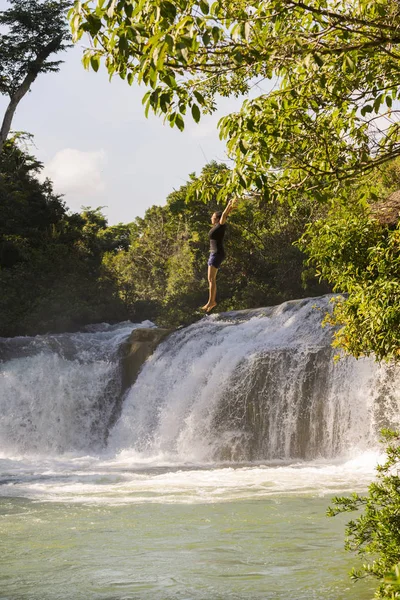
{"x":98,"y":147}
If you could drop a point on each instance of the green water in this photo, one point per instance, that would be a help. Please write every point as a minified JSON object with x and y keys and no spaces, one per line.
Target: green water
{"x":272,"y":548}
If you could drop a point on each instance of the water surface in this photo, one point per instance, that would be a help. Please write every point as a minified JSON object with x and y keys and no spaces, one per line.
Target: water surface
{"x":119,"y":533}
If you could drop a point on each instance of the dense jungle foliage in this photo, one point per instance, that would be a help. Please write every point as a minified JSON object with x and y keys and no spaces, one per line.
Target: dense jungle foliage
{"x":60,"y":271}
{"x":359,"y":256}
{"x":51,"y":273}
{"x":324,"y":120}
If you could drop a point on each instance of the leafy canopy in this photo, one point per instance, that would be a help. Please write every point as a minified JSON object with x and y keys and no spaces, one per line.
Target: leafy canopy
{"x":29,"y":28}
{"x":332,"y":113}
{"x":361,"y":258}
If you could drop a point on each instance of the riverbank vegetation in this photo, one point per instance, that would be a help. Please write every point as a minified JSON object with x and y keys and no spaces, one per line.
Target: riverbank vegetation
{"x":375,"y":534}
{"x":60,"y":270}
{"x":51,"y":273}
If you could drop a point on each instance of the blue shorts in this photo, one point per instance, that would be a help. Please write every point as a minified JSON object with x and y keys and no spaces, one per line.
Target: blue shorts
{"x":215,"y":259}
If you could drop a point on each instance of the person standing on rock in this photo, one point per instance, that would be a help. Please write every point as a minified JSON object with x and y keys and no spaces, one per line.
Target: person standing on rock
{"x":217,"y":252}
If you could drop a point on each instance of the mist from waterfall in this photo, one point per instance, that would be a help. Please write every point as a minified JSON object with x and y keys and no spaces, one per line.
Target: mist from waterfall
{"x":239,"y":405}
{"x":58,"y":393}
{"x":257,"y":386}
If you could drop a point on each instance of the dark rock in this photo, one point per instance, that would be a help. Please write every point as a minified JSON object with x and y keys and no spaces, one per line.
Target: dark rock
{"x":137,"y":349}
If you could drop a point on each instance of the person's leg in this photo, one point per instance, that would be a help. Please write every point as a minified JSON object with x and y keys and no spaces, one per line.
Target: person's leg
{"x":212,"y":281}
{"x":212,"y":284}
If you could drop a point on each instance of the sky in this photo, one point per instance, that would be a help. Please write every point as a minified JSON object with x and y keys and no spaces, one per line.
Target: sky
{"x":99,"y":149}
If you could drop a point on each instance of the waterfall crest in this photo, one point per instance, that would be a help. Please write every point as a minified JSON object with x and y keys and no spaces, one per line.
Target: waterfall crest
{"x":257,"y":385}
{"x":244,"y":386}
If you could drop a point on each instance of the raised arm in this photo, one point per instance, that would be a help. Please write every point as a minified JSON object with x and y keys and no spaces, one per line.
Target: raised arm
{"x":229,"y":207}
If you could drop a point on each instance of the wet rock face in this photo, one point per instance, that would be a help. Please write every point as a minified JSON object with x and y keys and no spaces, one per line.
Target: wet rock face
{"x":137,"y":349}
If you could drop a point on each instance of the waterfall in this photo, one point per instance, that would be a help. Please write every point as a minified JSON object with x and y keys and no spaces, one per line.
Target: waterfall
{"x":60,"y":393}
{"x":243,"y":386}
{"x":257,"y":385}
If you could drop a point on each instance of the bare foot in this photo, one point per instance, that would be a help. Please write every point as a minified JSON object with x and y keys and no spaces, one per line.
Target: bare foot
{"x":211,"y":306}
{"x":205,"y":307}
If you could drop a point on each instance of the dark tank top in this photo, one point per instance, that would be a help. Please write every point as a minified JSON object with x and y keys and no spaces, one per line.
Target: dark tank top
{"x":216,"y":235}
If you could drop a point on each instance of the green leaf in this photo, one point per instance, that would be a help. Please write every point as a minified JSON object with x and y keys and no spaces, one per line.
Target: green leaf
{"x":183,"y":51}
{"x":206,"y":38}
{"x":238,"y":57}
{"x":204,"y":7}
{"x":165,"y":102}
{"x":170,"y":42}
{"x":168,"y":10}
{"x":244,"y":146}
{"x":169,"y":80}
{"x":161,"y":56}
{"x":95,"y":62}
{"x":196,"y":112}
{"x":348,"y":64}
{"x":377,"y":102}
{"x":146,"y":97}
{"x":94,"y":24}
{"x":216,"y":34}
{"x":246,"y":30}
{"x":179,"y":122}
{"x":366,"y":109}
{"x":199,"y":97}
{"x":86,"y":61}
{"x":318,"y":59}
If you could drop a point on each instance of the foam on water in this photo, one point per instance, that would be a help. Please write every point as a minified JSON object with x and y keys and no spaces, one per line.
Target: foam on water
{"x":58,"y":392}
{"x":233,"y":407}
{"x":260,"y":388}
{"x":122,"y":480}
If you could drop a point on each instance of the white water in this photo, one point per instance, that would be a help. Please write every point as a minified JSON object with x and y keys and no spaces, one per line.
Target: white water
{"x":263,"y":388}
{"x":124,"y":480}
{"x":57,"y":392}
{"x":230,"y":408}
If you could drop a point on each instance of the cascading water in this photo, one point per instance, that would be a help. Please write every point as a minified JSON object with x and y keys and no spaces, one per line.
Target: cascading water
{"x":60,"y":393}
{"x":258,"y":388}
{"x":208,"y":478}
{"x":256,"y":385}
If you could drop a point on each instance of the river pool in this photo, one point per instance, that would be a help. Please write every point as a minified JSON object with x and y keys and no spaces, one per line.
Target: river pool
{"x":245,"y":532}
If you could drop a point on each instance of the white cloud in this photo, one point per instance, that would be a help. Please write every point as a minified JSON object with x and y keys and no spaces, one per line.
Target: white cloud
{"x":77,"y":173}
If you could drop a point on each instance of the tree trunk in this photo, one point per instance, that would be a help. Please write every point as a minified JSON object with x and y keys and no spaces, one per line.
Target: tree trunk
{"x":8,"y":117}
{"x":33,"y":71}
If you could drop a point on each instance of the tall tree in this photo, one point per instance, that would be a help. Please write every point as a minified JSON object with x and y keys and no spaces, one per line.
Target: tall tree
{"x":34,"y":31}
{"x":328,"y":118}
{"x":331,"y":113}
{"x":51,"y":272}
